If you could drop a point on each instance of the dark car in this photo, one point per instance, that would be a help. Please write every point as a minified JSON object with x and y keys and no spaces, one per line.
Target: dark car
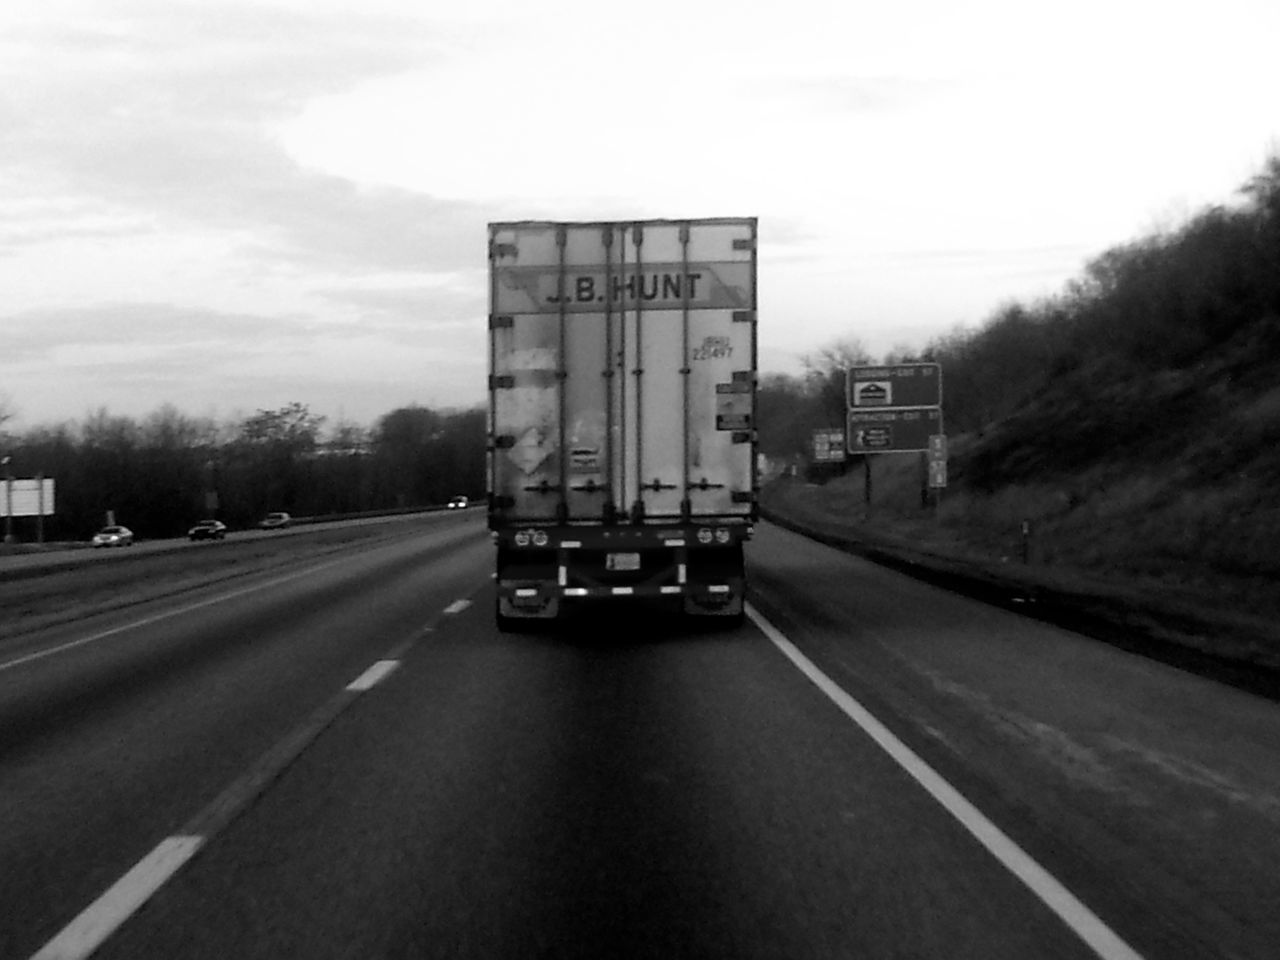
{"x":275,"y":521}
{"x":208,"y":530}
{"x":458,"y":503}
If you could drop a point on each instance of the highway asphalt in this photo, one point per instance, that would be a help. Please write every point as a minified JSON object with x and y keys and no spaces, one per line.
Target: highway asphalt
{"x":343,"y":758}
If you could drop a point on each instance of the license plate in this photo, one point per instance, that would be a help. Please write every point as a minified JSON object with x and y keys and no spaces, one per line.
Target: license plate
{"x":622,"y":561}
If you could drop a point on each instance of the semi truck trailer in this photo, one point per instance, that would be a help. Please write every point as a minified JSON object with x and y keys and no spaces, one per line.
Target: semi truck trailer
{"x":622,"y":430}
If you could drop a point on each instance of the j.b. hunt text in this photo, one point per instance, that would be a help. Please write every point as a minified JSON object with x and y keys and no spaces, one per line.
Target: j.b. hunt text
{"x":628,"y":288}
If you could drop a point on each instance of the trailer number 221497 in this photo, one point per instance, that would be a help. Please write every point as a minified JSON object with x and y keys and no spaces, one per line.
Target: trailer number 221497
{"x":713,"y":348}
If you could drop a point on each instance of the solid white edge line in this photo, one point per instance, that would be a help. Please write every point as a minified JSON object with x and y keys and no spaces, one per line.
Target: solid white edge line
{"x":1079,"y":918}
{"x":457,"y":606}
{"x":372,"y":676}
{"x":83,"y":935}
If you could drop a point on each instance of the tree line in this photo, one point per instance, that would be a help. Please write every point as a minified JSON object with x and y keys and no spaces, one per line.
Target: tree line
{"x":159,"y":474}
{"x":1153,"y":310}
{"x":1163,"y":302}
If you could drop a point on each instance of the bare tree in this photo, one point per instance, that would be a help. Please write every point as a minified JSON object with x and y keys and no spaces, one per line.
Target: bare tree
{"x":825,"y":378}
{"x":7,"y":412}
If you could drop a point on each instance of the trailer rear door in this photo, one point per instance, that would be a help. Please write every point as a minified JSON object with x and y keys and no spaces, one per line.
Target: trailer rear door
{"x":623,"y":361}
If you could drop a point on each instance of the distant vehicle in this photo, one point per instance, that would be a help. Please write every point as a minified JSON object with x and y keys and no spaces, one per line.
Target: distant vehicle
{"x":208,"y":530}
{"x":275,"y":521}
{"x":113,"y":537}
{"x":458,"y":503}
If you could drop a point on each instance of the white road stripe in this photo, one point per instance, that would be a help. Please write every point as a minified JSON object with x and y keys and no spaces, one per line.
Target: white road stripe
{"x":457,"y":606}
{"x":1082,"y":921}
{"x":80,"y":938}
{"x":373,"y":675}
{"x":101,"y":918}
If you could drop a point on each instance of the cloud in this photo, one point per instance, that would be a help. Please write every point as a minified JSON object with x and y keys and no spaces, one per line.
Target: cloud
{"x":133,"y":358}
{"x":848,"y":96}
{"x":168,"y":111}
{"x":88,"y":332}
{"x":417,"y":309}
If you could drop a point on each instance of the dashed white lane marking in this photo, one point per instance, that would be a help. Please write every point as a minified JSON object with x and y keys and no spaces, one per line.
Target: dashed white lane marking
{"x":83,"y":935}
{"x":101,"y":918}
{"x":1080,"y":919}
{"x":372,"y":676}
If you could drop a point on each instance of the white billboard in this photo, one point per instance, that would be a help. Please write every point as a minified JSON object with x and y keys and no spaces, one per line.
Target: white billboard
{"x":26,"y":498}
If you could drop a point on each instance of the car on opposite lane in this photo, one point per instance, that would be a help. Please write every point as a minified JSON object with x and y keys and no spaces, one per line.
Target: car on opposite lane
{"x":277,"y":520}
{"x":208,"y":530}
{"x":113,"y":536}
{"x":458,"y":503}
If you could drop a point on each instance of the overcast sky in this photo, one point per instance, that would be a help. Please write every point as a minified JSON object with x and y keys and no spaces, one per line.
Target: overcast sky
{"x":230,"y":206}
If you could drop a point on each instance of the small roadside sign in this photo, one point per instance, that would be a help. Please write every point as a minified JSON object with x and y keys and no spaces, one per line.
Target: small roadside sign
{"x":828,"y":445}
{"x":937,"y":474}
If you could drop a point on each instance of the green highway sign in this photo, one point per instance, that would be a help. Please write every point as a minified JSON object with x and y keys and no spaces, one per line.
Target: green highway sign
{"x":893,"y":431}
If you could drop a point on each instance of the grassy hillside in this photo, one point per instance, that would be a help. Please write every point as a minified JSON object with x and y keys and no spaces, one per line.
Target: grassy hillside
{"x":1166,"y":481}
{"x":1131,"y":425}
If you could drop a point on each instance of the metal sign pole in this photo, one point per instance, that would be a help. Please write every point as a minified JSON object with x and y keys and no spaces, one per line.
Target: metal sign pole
{"x":8,"y":501}
{"x":866,"y":486}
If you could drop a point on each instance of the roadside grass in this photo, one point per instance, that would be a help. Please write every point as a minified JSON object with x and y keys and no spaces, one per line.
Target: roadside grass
{"x":1217,"y":547}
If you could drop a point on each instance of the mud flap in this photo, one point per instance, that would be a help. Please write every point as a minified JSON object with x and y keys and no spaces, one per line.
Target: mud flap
{"x":513,"y":618}
{"x":733,"y":608}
